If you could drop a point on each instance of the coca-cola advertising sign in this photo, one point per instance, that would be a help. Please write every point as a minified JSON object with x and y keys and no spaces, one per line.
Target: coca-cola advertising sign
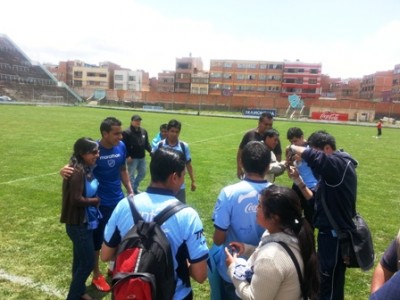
{"x":329,"y":116}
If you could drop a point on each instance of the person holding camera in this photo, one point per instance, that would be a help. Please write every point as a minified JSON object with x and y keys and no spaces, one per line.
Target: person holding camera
{"x":337,"y":187}
{"x":304,"y":181}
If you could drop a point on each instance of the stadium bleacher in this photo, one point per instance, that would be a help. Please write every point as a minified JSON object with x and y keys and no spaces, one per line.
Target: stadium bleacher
{"x":24,"y":81}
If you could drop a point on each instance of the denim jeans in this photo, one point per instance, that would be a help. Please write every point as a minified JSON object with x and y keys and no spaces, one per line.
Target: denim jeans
{"x":83,"y":258}
{"x":139,"y":165}
{"x":332,"y":267}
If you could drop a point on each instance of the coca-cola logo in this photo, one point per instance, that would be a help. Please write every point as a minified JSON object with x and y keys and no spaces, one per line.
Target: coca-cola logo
{"x":329,"y":116}
{"x":250,"y":208}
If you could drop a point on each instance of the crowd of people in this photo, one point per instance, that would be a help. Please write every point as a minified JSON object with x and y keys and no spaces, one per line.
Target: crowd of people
{"x":263,"y":240}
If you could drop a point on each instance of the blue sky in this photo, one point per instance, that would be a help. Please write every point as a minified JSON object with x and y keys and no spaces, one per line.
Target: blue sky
{"x":351,"y":38}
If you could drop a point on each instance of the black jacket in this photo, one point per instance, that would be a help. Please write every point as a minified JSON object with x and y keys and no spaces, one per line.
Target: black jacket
{"x":136,"y":141}
{"x":338,"y":175}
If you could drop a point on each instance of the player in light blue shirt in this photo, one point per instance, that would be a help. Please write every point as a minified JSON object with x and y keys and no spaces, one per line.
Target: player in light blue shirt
{"x":234,"y":214}
{"x":172,"y":141}
{"x":184,"y":230}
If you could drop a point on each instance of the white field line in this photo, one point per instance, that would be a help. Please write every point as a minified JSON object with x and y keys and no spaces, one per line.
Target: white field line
{"x":29,"y":283}
{"x":218,"y":138}
{"x":50,"y":174}
{"x":28,"y":178}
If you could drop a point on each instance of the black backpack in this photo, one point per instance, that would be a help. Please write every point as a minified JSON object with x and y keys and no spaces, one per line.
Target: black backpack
{"x":144,"y":267}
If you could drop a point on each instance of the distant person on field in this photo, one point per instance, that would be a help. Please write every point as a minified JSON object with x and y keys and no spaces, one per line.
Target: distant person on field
{"x":234,"y":214}
{"x":110,"y":170}
{"x":137,"y":143}
{"x":304,"y":181}
{"x":172,"y":141}
{"x":265,"y":121}
{"x":385,"y":284}
{"x":276,"y":168}
{"x":337,"y":185}
{"x":161,"y":135}
{"x":184,"y":230}
{"x":270,"y":272}
{"x":80,"y":213}
{"x":379,"y":128}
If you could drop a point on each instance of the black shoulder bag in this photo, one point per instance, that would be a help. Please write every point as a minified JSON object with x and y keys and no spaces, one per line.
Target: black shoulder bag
{"x":356,"y":245}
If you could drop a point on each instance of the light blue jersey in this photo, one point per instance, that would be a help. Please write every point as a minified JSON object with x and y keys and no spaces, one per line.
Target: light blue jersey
{"x":184,"y":230}
{"x":306,"y":173}
{"x":108,"y":172}
{"x":180,"y":146}
{"x":235,"y":213}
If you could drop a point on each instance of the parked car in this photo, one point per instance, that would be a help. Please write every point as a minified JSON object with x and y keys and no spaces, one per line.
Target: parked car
{"x":5,"y":98}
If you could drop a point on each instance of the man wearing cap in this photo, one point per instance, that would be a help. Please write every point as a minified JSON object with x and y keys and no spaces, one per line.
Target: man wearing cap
{"x":136,"y":141}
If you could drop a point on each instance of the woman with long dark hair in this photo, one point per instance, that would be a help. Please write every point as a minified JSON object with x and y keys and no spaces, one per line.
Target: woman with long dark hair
{"x":80,"y":214}
{"x":270,"y":272}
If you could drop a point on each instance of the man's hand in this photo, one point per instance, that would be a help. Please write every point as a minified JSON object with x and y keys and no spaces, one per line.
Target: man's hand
{"x":193,"y":186}
{"x":66,"y":172}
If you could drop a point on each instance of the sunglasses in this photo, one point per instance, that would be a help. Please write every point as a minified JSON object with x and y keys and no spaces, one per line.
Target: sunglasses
{"x":94,"y":152}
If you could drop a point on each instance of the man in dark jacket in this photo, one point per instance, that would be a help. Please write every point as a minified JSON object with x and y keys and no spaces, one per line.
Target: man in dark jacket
{"x":337,"y":184}
{"x":137,"y":142}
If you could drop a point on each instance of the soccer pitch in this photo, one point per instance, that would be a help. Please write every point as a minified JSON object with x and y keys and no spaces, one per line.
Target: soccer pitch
{"x":35,"y":260}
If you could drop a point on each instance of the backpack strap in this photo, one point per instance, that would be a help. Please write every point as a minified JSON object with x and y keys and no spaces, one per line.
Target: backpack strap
{"x":296,"y":264}
{"x":169,"y":211}
{"x":398,"y":250}
{"x":183,"y":150}
{"x":135,"y":214}
{"x":163,"y":216}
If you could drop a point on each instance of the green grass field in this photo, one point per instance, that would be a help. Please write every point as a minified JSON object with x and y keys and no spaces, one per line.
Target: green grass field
{"x":35,"y":252}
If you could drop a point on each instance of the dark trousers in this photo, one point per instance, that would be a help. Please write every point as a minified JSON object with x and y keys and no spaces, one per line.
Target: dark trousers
{"x":332,"y":268}
{"x":83,"y":259}
{"x":98,"y":233}
{"x":228,"y":291}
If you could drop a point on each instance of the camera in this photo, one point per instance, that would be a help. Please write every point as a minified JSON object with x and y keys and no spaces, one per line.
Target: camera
{"x":290,"y":157}
{"x":232,"y":250}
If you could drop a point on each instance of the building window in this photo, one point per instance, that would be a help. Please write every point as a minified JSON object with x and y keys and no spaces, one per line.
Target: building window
{"x":275,"y":67}
{"x":240,"y":76}
{"x":227,"y":65}
{"x":312,"y":81}
{"x":314,"y":71}
{"x":227,"y":76}
{"x":119,"y":77}
{"x":215,"y":86}
{"x":215,"y":75}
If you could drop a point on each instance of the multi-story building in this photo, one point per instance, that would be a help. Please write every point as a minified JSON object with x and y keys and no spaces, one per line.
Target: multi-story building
{"x":91,"y":76}
{"x":199,"y":83}
{"x":64,"y":70}
{"x":111,"y":67}
{"x":184,"y":69}
{"x":347,"y":88}
{"x":302,"y":79}
{"x":245,"y":77}
{"x":395,"y":94}
{"x":129,"y":80}
{"x":374,"y":85}
{"x":166,"y":82}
